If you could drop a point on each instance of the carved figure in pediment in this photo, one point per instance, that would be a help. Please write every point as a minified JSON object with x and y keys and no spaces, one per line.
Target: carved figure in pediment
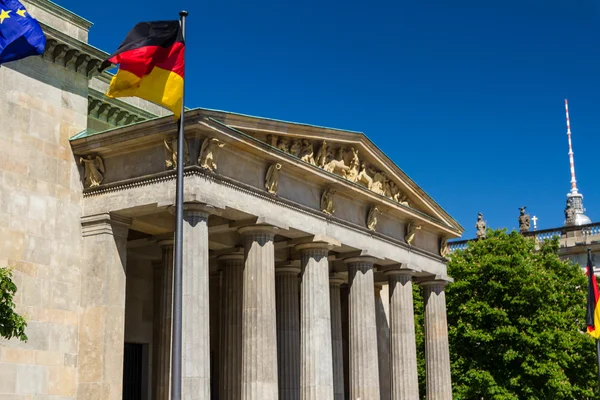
{"x":354,"y":166}
{"x":378,"y":185}
{"x":94,"y":170}
{"x":411,"y":231}
{"x":444,"y":248}
{"x":372,"y":218}
{"x":284,"y":144}
{"x":171,"y":152}
{"x":394,"y":191}
{"x":272,"y":178}
{"x":404,"y":200}
{"x":209,"y":153}
{"x":364,"y":176}
{"x":328,"y":159}
{"x":307,"y":152}
{"x":296,"y":147}
{"x":322,"y":155}
{"x":327,"y":201}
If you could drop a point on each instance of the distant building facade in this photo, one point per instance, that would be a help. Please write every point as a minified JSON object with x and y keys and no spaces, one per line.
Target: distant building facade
{"x":301,"y":246}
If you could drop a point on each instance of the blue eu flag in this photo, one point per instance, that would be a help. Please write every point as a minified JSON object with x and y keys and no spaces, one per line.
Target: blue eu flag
{"x":20,"y":35}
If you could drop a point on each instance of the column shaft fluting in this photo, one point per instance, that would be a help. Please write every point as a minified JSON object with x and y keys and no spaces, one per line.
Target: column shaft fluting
{"x":405,"y":382}
{"x":364,"y":369}
{"x":383,"y":343}
{"x":337,"y":342}
{"x":231,"y":327}
{"x":316,"y":371}
{"x":437,"y":356}
{"x":288,"y":332}
{"x":163,"y":318}
{"x":259,"y":332}
{"x":195,"y":306}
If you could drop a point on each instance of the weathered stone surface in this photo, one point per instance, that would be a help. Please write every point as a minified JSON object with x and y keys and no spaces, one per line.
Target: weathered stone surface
{"x":259,"y":332}
{"x":316,"y":372}
{"x":437,"y":355}
{"x":337,"y":341}
{"x":364,"y":368}
{"x":288,"y":332}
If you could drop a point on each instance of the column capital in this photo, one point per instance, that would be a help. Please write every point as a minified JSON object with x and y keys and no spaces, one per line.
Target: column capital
{"x":360,"y":260}
{"x":287,"y":269}
{"x":400,"y":272}
{"x":438,"y":281}
{"x":323,"y":246}
{"x":196,"y":208}
{"x":105,"y":223}
{"x":257,"y":229}
{"x":338,"y":278}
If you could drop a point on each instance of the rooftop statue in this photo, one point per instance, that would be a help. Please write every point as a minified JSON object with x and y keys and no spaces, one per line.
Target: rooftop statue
{"x":524,"y":220}
{"x":481,"y":227}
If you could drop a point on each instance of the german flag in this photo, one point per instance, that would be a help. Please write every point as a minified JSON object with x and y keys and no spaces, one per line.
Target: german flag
{"x":593,"y":308}
{"x":151,"y":65}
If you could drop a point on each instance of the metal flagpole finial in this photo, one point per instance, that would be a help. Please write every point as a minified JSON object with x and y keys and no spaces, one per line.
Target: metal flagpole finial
{"x":183,"y":13}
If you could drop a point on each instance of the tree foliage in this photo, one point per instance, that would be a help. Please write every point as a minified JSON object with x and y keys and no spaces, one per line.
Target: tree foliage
{"x":11,"y":323}
{"x":516,"y":319}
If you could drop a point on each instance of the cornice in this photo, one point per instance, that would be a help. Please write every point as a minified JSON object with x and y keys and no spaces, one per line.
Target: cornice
{"x":70,"y":53}
{"x":196,"y":171}
{"x":113,"y":111}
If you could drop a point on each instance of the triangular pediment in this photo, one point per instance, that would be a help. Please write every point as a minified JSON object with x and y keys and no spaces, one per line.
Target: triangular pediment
{"x":350,"y":155}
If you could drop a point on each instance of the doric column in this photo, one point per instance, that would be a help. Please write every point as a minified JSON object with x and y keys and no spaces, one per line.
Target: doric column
{"x":364,"y":369}
{"x":163,"y":318}
{"x":215,"y":331}
{"x":437,"y":356}
{"x":259,"y":332}
{"x":195,"y":307}
{"x":288,"y":332}
{"x":157,"y":284}
{"x":405,"y":382}
{"x":316,"y":369}
{"x":383,"y":343}
{"x":337,"y":341}
{"x":232,"y":267}
{"x":102,"y":307}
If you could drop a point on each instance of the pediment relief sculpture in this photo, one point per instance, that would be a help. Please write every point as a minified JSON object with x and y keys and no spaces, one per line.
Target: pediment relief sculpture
{"x":345,"y":162}
{"x":372,"y":218}
{"x":171,"y":152}
{"x":272,"y":178}
{"x":411,"y":231}
{"x":209,"y":153}
{"x":94,"y":170}
{"x":327,"y":201}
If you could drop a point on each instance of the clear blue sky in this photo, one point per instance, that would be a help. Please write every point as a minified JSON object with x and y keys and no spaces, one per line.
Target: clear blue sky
{"x":466,"y":97}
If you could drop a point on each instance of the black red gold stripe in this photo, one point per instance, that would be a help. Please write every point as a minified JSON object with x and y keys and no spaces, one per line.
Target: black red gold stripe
{"x":151,"y":65}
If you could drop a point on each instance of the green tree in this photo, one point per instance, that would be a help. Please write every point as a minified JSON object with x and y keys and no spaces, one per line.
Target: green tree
{"x":11,"y":323}
{"x":516,"y":319}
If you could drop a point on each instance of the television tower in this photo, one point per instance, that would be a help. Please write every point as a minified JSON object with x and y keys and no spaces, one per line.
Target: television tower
{"x":574,"y":211}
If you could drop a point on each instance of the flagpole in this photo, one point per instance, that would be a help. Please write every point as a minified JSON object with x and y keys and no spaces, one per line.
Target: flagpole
{"x":178,"y":257}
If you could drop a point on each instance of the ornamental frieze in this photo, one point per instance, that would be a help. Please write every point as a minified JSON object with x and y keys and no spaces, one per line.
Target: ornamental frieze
{"x":343,"y":161}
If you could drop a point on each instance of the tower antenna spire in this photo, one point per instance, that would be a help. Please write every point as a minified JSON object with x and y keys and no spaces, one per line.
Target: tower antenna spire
{"x":571,"y":158}
{"x":574,"y":212}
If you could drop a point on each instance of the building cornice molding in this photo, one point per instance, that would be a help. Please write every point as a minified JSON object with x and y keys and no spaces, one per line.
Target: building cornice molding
{"x":63,"y":13}
{"x":70,"y":53}
{"x":113,"y":111}
{"x":196,"y":171}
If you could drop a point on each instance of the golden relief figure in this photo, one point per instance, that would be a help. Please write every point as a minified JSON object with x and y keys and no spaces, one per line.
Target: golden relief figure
{"x":209,"y":153}
{"x":171,"y":152}
{"x":327,"y":201}
{"x":272,"y":178}
{"x":94,"y":170}
{"x":411,"y":231}
{"x":372,"y":218}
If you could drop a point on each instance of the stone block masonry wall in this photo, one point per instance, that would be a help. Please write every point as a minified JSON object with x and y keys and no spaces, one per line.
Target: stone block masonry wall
{"x":41,"y":106}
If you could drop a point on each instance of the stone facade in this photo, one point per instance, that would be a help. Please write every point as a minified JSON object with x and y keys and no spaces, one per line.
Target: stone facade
{"x":286,"y":274}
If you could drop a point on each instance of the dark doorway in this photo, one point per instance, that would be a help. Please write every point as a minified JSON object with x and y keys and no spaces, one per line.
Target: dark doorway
{"x":133,"y":371}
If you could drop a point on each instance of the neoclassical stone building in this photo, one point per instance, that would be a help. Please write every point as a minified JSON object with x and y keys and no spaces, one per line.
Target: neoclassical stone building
{"x":301,"y":247}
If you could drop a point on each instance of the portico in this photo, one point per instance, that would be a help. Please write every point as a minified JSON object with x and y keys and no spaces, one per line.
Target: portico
{"x":282,"y":216}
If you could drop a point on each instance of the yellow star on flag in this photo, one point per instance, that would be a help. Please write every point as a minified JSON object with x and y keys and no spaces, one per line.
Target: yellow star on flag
{"x":4,"y":15}
{"x":22,"y":13}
